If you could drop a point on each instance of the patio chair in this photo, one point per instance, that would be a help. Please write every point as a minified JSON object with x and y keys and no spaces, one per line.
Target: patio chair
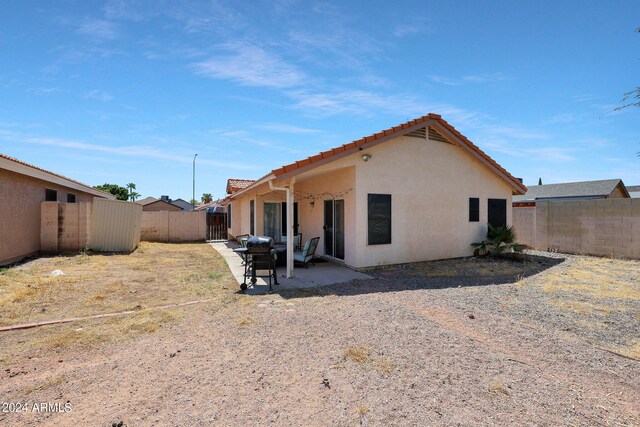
{"x":297,"y":241}
{"x":242,"y":243}
{"x":242,"y":240}
{"x":306,"y":255}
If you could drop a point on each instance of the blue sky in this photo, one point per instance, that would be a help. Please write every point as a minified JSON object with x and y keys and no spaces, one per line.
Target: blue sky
{"x":128,"y":91}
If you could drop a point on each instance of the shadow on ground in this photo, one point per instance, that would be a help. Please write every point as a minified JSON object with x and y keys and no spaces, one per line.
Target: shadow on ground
{"x":452,"y":273}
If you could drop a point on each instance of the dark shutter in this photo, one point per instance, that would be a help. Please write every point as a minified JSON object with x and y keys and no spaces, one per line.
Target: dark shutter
{"x":252,"y":217}
{"x":474,"y":209}
{"x":71,"y":198}
{"x":379,"y":219}
{"x":497,"y":212}
{"x":50,"y":195}
{"x":229,"y":215}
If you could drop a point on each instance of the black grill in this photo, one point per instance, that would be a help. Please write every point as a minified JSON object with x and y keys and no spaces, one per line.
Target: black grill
{"x":259,"y":255}
{"x":259,"y":245}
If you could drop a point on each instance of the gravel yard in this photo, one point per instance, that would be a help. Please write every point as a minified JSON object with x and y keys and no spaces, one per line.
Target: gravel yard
{"x":553,"y":340}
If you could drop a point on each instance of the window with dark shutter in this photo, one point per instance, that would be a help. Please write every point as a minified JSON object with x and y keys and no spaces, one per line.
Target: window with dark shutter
{"x":71,"y":198}
{"x":379,"y":219}
{"x":474,"y":209}
{"x":497,"y":215}
{"x":252,"y":218}
{"x":50,"y":195}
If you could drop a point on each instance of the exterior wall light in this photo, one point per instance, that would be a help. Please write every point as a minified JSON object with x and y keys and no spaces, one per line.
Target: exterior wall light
{"x":366,"y":156}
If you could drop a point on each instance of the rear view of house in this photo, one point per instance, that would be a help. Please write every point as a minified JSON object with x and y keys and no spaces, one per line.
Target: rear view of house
{"x":417,"y":191}
{"x":22,"y":188}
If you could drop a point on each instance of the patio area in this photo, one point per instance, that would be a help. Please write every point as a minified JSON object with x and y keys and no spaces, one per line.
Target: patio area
{"x":323,"y":273}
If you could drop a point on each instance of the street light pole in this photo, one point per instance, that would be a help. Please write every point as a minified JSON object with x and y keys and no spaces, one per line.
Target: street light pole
{"x":193,"y":196}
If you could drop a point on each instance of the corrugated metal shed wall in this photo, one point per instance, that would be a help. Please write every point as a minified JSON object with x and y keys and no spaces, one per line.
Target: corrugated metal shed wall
{"x":115,"y":226}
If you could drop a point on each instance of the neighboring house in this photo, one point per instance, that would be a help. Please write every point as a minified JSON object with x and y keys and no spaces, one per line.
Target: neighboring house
{"x":22,"y":188}
{"x":159,"y":205}
{"x":585,"y":190}
{"x":234,"y":184}
{"x":146,"y":200}
{"x":634,"y":191}
{"x":216,"y":205}
{"x":418,"y":191}
{"x":186,"y":206}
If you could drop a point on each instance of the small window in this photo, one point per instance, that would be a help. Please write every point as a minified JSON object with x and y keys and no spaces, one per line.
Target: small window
{"x":71,"y":198}
{"x":379,"y":219}
{"x":474,"y":209}
{"x":50,"y":195}
{"x":229,"y":215}
{"x":497,"y":212}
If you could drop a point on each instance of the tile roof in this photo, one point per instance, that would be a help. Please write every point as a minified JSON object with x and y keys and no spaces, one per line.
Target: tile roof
{"x":583,"y":189}
{"x":89,"y":188}
{"x":387,"y":134}
{"x":146,"y":200}
{"x":236,"y":184}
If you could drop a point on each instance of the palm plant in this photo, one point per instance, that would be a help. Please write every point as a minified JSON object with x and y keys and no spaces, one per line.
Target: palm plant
{"x":500,"y":240}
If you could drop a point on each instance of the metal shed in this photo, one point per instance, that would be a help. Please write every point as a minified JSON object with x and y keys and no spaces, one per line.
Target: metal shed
{"x":115,"y":226}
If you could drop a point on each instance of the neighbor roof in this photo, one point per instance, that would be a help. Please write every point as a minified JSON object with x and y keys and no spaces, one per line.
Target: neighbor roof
{"x":444,"y":131}
{"x":23,"y":168}
{"x":571,"y":190}
{"x":146,"y":200}
{"x":186,"y":206}
{"x":236,"y":184}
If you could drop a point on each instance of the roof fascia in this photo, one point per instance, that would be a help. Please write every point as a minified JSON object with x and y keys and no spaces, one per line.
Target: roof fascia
{"x":255,"y":184}
{"x":366,"y":145}
{"x":48,"y":177}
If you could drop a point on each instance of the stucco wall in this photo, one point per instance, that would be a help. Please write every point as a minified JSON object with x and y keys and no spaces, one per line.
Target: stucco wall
{"x":339,"y":183}
{"x":430,"y":184}
{"x":20,"y":198}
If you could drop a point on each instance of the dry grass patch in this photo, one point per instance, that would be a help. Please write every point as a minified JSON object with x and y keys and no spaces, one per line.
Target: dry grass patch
{"x":497,"y":387}
{"x":58,"y":379}
{"x":358,"y":354}
{"x":155,"y":274}
{"x":365,"y":357}
{"x":581,"y":307}
{"x":246,"y":321}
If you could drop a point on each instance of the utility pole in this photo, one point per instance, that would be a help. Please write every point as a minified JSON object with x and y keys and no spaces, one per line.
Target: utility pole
{"x":193,"y":196}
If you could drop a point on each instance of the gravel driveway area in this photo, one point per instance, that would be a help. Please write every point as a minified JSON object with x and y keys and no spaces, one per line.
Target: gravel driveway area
{"x":459,"y":342}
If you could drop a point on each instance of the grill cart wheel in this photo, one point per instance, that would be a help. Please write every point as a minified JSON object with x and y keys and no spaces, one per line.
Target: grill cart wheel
{"x":243,"y":287}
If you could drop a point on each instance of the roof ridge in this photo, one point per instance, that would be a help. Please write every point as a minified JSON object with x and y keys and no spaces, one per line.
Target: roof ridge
{"x":20,"y":162}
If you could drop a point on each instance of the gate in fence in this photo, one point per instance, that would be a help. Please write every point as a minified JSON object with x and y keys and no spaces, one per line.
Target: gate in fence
{"x":216,"y":224}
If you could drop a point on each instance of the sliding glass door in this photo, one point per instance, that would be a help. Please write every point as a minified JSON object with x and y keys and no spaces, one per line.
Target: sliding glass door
{"x":334,"y":228}
{"x":272,"y":220}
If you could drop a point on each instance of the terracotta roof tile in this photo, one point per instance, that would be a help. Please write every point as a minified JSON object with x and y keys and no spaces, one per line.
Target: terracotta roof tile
{"x":389,"y":132}
{"x":236,"y":184}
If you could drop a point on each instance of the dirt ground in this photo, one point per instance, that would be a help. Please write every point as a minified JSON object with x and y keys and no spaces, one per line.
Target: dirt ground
{"x":553,"y":340}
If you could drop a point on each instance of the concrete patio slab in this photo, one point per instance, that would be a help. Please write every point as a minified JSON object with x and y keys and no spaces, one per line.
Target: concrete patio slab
{"x":320,"y":274}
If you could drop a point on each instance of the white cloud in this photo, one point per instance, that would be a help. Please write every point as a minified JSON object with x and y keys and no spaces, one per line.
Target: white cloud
{"x":99,"y":28}
{"x":250,"y":65}
{"x":98,"y":95}
{"x":282,"y":128}
{"x":470,"y":79}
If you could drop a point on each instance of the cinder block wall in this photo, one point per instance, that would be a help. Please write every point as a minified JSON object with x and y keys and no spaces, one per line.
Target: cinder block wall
{"x":165,"y":226}
{"x":64,"y":227}
{"x":605,"y":227}
{"x":524,"y":224}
